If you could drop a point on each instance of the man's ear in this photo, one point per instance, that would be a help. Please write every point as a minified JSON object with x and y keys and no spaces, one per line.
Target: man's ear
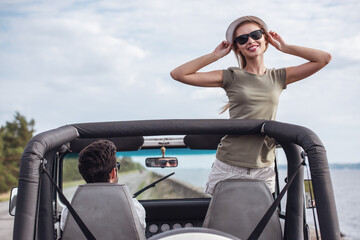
{"x":113,"y":175}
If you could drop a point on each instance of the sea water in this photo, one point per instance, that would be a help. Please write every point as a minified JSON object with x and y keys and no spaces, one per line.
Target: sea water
{"x":346,"y":185}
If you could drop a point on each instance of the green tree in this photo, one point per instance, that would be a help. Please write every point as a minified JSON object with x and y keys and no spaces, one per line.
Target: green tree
{"x":127,"y":164}
{"x":13,"y":139}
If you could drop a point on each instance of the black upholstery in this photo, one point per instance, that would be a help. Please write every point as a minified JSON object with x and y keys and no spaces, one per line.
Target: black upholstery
{"x":237,"y":207}
{"x":209,"y":142}
{"x":121,"y":143}
{"x":107,"y":210}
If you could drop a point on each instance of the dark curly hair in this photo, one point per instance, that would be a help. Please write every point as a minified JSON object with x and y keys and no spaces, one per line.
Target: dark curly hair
{"x":97,"y":160}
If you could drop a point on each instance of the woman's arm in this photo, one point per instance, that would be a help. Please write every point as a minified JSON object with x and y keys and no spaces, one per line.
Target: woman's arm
{"x":317,"y":58}
{"x":188,"y":72}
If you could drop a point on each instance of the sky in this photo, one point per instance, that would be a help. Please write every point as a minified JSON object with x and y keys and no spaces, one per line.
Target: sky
{"x":73,"y":61}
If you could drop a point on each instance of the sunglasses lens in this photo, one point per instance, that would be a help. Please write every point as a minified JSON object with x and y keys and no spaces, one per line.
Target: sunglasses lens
{"x":118,"y":166}
{"x":242,"y":39}
{"x":256,"y":35}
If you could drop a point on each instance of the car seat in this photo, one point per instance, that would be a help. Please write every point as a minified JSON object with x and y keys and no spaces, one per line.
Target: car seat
{"x":107,"y":210}
{"x":237,"y":206}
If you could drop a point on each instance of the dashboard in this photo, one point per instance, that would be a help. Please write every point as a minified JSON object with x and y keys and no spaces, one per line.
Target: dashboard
{"x":165,"y":215}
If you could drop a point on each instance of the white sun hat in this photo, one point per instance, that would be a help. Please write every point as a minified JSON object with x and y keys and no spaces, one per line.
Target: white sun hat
{"x":234,"y":24}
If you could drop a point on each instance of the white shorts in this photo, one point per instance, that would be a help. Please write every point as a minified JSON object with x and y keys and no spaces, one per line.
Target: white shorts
{"x":221,"y":171}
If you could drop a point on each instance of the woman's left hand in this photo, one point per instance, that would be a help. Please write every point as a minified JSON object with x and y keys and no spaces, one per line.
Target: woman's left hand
{"x":275,"y":40}
{"x":317,"y":59}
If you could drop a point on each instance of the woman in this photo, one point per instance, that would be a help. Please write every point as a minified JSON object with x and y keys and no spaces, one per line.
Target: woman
{"x":253,"y":91}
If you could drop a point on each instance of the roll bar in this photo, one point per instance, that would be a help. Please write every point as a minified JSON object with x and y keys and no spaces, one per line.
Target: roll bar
{"x":31,"y":192}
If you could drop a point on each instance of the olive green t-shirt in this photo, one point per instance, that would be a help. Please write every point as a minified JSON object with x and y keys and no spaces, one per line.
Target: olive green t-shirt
{"x":251,"y":96}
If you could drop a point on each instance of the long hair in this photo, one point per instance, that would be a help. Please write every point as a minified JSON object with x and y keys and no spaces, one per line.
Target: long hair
{"x":238,"y":55}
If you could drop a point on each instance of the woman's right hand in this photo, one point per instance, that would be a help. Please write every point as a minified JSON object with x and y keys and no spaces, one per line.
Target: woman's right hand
{"x":188,"y":72}
{"x":222,"y":49}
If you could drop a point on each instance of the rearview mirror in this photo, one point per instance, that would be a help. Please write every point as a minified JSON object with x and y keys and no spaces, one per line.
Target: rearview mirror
{"x":12,"y":202}
{"x":161,"y":162}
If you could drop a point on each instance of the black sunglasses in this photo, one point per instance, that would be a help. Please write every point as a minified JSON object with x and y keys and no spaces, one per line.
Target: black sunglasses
{"x":164,"y":162}
{"x":242,"y":39}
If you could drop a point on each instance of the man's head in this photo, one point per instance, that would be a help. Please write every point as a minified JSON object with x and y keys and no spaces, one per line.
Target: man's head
{"x":97,"y":162}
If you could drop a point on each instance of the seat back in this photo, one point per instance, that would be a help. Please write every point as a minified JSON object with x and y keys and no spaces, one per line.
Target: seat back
{"x":107,"y":210}
{"x":238,"y":206}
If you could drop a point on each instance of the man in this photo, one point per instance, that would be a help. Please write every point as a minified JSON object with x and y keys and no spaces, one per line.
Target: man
{"x":97,"y":163}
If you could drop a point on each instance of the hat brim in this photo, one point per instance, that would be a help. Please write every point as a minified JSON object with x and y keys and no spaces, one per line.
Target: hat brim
{"x":234,"y":24}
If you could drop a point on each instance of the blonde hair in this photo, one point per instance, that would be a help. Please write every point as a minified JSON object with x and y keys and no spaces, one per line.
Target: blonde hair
{"x":238,"y":55}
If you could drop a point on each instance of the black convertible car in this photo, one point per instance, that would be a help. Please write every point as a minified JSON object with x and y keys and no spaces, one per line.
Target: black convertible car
{"x":165,"y":164}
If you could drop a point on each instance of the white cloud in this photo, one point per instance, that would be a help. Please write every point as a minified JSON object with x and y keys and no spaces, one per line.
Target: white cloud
{"x":208,"y":93}
{"x":347,"y":47}
{"x":79,"y":61}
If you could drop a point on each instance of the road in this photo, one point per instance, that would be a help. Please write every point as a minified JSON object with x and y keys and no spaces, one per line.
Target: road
{"x":134,"y":180}
{"x":6,"y":221}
